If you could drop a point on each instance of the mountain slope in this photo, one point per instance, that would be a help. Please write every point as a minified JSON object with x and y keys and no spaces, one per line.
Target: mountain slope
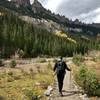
{"x":36,"y":10}
{"x":24,"y":38}
{"x":35,"y":36}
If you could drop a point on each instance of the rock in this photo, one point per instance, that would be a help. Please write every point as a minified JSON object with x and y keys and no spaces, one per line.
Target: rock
{"x":37,"y":7}
{"x":22,"y":2}
{"x":84,"y":97}
{"x":48,"y":91}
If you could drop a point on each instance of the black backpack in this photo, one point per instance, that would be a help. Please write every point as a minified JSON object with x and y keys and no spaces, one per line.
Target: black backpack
{"x":60,"y":66}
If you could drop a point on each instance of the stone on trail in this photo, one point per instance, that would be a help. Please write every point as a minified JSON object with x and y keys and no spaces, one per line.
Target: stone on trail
{"x":48,"y":91}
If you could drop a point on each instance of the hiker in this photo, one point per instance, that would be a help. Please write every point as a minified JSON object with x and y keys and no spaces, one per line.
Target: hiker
{"x":59,"y":69}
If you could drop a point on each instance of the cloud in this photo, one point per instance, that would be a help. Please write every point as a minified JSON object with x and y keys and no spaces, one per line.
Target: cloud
{"x":53,"y":4}
{"x":85,"y":10}
{"x":92,"y":16}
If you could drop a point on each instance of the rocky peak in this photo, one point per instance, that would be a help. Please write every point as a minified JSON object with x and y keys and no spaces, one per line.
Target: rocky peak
{"x":36,"y":3}
{"x":37,"y":7}
{"x":22,"y":2}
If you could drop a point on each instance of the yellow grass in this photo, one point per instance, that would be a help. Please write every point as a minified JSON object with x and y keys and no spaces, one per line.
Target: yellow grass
{"x":12,"y":87}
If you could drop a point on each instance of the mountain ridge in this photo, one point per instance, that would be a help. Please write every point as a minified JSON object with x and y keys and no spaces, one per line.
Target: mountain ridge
{"x":36,"y":10}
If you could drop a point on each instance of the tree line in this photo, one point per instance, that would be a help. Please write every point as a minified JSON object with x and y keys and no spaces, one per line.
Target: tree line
{"x":16,"y":34}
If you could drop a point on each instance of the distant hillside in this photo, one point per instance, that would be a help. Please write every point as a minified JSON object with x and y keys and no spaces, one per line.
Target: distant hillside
{"x":17,"y":36}
{"x":36,"y":10}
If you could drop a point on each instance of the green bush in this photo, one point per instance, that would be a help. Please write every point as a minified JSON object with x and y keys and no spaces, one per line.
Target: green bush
{"x":87,"y":79}
{"x":97,"y":93}
{"x":77,"y":59}
{"x":81,"y":76}
{"x":91,"y":83}
{"x":30,"y":95}
{"x":10,"y":73}
{"x":13,"y":64}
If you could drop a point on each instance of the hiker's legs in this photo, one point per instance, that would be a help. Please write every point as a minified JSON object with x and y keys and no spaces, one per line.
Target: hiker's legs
{"x":60,"y":78}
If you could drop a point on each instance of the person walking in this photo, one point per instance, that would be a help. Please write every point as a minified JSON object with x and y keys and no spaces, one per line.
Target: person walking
{"x":60,"y":70}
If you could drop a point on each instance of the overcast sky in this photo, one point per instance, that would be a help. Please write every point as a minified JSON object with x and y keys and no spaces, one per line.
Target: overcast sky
{"x":85,"y":10}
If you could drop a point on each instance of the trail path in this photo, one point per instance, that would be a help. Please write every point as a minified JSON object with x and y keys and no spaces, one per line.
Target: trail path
{"x":70,"y":92}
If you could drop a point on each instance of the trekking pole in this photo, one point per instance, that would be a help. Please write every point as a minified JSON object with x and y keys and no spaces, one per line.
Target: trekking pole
{"x":70,"y":77}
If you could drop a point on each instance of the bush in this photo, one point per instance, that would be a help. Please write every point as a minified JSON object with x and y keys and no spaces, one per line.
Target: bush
{"x":97,"y":93}
{"x":13,"y":64}
{"x":30,"y":95}
{"x":10,"y":73}
{"x":77,"y":59}
{"x":87,"y":80}
{"x":38,"y":69}
{"x":31,"y":73}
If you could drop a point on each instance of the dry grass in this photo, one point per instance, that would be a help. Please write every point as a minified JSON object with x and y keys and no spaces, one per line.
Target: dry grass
{"x":13,"y":81}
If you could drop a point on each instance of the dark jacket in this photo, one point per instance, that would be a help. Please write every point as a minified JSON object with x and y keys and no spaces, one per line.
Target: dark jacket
{"x":65,"y":67}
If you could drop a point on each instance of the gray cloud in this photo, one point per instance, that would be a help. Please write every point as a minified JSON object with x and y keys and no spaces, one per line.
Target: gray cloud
{"x":79,"y":8}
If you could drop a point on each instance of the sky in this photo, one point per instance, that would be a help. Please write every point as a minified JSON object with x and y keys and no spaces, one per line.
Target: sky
{"x":85,"y":10}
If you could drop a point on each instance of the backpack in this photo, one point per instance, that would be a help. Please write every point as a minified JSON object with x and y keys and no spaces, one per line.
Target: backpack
{"x":60,"y":66}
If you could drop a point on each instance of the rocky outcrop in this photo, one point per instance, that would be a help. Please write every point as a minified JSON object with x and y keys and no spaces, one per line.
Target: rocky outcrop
{"x":42,"y":23}
{"x":37,"y":7}
{"x":22,"y":2}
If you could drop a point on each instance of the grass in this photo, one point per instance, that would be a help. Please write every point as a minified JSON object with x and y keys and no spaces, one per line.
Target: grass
{"x":18,"y":84}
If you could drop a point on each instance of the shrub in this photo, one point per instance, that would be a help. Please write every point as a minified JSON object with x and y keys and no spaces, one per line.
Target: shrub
{"x":81,"y":76}
{"x":91,"y":83}
{"x":97,"y":92}
{"x":31,"y":73}
{"x":21,"y":53}
{"x":87,"y":80}
{"x":30,"y":94}
{"x":10,"y":73}
{"x":77,"y":59}
{"x":38,"y":69}
{"x":13,"y":64}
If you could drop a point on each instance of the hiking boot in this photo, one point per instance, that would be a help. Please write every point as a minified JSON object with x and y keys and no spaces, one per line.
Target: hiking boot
{"x":60,"y":94}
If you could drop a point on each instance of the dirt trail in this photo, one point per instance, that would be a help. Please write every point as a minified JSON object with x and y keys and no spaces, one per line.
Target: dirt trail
{"x":70,"y":92}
